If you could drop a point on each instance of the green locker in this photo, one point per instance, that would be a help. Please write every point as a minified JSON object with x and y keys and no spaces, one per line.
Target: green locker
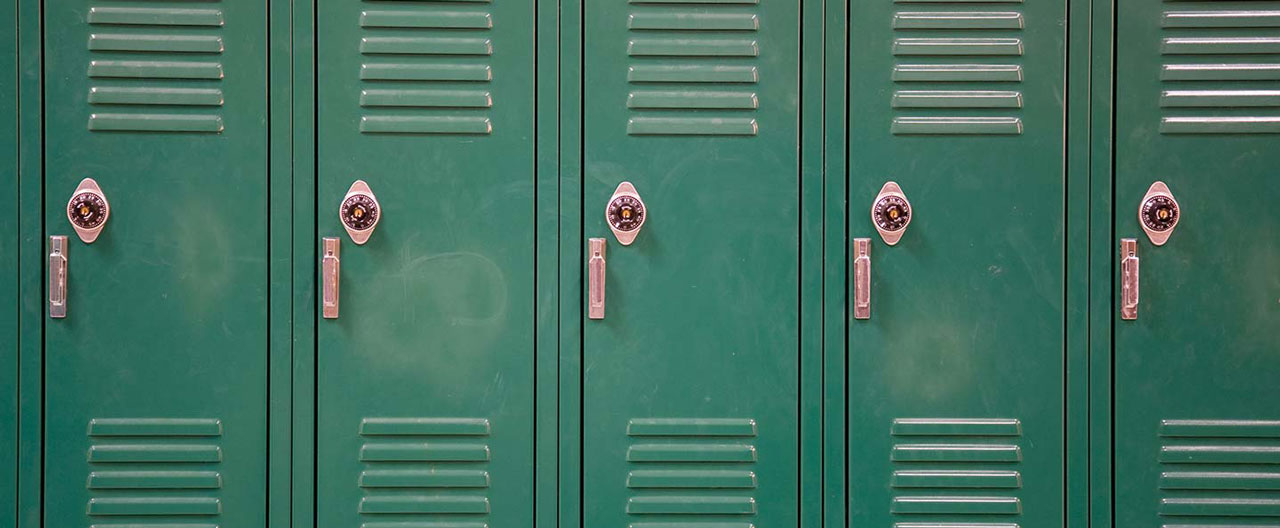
{"x":155,"y":334}
{"x":690,"y":347}
{"x":425,"y":330}
{"x":1197,"y":324}
{"x":957,"y":265}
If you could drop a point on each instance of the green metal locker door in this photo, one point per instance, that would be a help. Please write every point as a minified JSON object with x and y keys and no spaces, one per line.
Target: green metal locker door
{"x":956,"y":380}
{"x":155,"y":381}
{"x":690,"y":394}
{"x":1196,"y":425}
{"x":425,"y":409}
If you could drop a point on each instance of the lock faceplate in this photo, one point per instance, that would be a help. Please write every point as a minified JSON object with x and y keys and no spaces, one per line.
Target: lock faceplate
{"x":891,"y":213}
{"x":625,"y":213}
{"x":88,"y":210}
{"x":359,"y":212}
{"x":1159,"y":213}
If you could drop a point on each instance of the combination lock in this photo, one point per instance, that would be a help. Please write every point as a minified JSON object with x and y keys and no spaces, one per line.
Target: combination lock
{"x":1159,"y":213}
{"x":359,"y":212}
{"x":88,"y":210}
{"x":625,"y":213}
{"x":891,"y":213}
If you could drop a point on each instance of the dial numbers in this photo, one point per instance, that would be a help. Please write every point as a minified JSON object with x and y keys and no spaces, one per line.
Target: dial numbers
{"x":625,"y":213}
{"x":1159,"y":213}
{"x":87,"y":210}
{"x":359,"y":212}
{"x":891,"y":213}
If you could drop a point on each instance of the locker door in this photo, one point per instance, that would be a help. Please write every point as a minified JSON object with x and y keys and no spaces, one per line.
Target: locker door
{"x":155,"y":381}
{"x":956,"y":378}
{"x":1197,"y":429}
{"x":425,"y":378}
{"x":690,"y":389}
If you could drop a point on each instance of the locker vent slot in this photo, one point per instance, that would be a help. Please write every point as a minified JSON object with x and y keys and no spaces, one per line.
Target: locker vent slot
{"x":1219,"y":472}
{"x":693,"y":66}
{"x":957,"y":68}
{"x":424,"y":470}
{"x":426,"y":68}
{"x":166,"y":469}
{"x":156,"y":68}
{"x":702,"y":467}
{"x":1220,"y":72}
{"x":956,"y":472}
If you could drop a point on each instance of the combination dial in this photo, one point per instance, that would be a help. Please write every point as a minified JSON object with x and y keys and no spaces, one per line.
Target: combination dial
{"x":87,"y":210}
{"x":892,"y":213}
{"x":625,"y":213}
{"x":359,"y":212}
{"x":1159,"y":213}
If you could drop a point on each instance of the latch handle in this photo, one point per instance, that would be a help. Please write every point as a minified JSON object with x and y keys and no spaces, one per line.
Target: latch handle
{"x":58,"y":276}
{"x":862,"y":278}
{"x":331,"y":275}
{"x":1129,"y":291}
{"x":595,"y":286}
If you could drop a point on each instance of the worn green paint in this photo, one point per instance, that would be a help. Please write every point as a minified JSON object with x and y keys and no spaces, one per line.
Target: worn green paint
{"x":967,"y":317}
{"x":1204,"y":344}
{"x":168,"y":308}
{"x":437,"y":309}
{"x":702,"y":310}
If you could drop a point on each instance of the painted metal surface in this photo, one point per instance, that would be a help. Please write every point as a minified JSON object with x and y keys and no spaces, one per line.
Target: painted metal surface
{"x":690,"y":397}
{"x":956,"y":381}
{"x":425,"y":393}
{"x":9,"y":264}
{"x":155,"y":384}
{"x":1196,"y":426}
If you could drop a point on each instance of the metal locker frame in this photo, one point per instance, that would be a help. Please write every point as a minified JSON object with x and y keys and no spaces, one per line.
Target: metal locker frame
{"x":9,"y":263}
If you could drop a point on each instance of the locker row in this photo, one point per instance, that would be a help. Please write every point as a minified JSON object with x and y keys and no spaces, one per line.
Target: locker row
{"x":642,"y":263}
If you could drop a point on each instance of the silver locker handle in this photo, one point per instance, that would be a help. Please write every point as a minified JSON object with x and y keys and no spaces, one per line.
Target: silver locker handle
{"x":57,"y":276}
{"x":1129,"y":290}
{"x":595,"y":280}
{"x":862,"y":278}
{"x":331,"y":275}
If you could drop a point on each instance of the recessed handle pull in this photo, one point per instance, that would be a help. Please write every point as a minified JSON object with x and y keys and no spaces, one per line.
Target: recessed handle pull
{"x":862,"y":278}
{"x":331,"y":276}
{"x":57,"y":276}
{"x":595,"y":286}
{"x":1129,"y":290}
